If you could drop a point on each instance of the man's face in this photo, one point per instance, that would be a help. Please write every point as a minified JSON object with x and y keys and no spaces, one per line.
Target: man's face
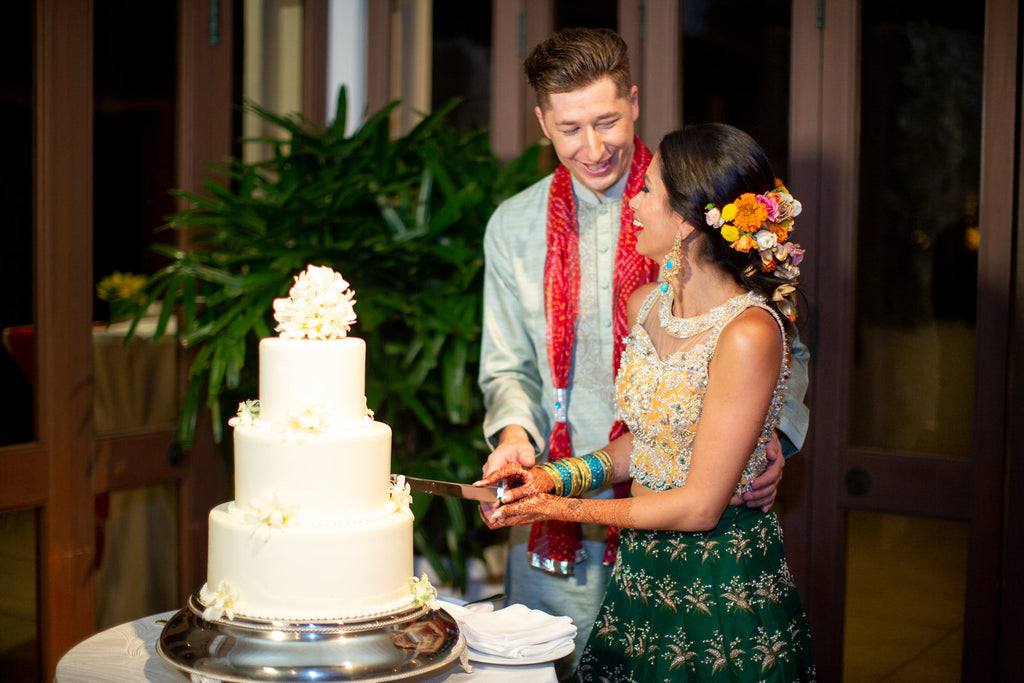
{"x":592,"y":132}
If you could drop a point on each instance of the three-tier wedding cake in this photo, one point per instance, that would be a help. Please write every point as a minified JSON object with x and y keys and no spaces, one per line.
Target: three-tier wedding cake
{"x":317,"y":530}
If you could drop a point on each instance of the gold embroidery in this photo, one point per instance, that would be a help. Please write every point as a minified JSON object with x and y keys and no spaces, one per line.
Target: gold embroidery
{"x":661,"y":400}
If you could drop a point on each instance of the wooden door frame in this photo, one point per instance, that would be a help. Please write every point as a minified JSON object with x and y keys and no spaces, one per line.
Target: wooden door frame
{"x":995,"y":305}
{"x":63,"y":281}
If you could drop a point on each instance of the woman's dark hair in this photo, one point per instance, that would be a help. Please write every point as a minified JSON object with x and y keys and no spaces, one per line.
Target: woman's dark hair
{"x":715,"y":163}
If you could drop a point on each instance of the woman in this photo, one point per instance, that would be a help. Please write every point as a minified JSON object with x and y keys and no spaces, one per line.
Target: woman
{"x":700,"y":588}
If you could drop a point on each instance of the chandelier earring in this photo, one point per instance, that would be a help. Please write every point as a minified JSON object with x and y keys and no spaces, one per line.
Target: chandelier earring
{"x":673,"y":262}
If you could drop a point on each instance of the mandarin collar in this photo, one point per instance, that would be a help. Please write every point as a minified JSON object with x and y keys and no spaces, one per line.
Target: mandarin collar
{"x":614,"y":193}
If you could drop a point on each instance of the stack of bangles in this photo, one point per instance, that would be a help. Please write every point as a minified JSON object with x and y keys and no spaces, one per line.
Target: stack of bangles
{"x":578,"y":474}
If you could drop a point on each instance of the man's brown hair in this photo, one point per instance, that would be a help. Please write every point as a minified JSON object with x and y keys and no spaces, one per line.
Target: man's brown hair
{"x":574,"y":58}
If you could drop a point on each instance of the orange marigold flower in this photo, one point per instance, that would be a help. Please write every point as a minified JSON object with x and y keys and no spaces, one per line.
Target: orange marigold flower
{"x":749,"y":213}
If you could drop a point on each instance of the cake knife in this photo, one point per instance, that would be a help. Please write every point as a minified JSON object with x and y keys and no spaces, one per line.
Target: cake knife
{"x":485,"y":494}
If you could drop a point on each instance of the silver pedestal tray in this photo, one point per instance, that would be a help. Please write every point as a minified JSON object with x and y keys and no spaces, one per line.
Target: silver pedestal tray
{"x":416,"y":643}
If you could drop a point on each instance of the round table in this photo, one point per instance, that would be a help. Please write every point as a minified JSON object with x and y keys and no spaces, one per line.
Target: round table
{"x":128,"y":653}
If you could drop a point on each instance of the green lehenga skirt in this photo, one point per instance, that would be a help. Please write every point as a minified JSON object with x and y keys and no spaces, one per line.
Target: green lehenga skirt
{"x":711,"y":606}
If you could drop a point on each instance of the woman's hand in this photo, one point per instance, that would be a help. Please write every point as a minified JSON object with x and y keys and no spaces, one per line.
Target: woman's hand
{"x":520,"y":483}
{"x":533,"y":508}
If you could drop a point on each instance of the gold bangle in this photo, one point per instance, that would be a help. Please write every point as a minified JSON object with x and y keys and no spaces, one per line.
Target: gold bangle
{"x":556,"y":478}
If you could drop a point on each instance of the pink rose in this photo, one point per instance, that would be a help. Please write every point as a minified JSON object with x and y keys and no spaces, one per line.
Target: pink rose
{"x":771,"y":204}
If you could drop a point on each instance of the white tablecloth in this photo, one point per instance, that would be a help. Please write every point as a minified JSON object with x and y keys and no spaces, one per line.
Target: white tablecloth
{"x":128,"y":653}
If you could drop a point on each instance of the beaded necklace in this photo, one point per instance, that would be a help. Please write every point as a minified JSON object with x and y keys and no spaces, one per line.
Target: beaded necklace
{"x":683,"y":328}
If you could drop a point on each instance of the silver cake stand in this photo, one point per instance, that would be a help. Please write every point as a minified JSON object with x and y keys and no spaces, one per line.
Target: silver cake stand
{"x":416,"y":643}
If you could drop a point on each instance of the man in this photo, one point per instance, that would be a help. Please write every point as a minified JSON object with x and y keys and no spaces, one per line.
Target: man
{"x":560,"y":266}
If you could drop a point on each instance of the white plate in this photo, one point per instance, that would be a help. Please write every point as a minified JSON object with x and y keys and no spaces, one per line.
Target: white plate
{"x":488,"y":658}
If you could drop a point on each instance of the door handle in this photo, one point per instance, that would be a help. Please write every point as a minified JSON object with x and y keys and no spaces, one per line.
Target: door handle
{"x":857,"y":481}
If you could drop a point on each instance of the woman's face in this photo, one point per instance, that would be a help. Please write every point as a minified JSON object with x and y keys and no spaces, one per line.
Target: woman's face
{"x":657,"y":224}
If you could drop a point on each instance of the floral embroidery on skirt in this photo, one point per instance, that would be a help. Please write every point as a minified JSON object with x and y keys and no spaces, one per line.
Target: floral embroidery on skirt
{"x":712,"y":606}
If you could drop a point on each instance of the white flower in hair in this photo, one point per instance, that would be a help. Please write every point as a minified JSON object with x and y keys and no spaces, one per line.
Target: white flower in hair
{"x":766,"y":240}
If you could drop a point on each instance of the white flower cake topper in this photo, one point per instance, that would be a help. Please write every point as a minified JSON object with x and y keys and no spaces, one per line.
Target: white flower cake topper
{"x":320,"y":305}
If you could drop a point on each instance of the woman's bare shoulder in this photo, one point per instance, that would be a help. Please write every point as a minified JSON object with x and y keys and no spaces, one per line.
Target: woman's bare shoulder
{"x":636,"y":300}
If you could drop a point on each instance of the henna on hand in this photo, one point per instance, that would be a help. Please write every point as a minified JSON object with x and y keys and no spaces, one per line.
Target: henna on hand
{"x":543,"y":506}
{"x":519,"y":482}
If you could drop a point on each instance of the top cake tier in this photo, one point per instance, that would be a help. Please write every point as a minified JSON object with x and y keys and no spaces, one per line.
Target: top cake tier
{"x":326,"y":376}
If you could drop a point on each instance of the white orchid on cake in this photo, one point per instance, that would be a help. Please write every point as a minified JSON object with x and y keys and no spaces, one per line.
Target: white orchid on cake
{"x":223,"y":602}
{"x":311,"y":419}
{"x":400,"y":494}
{"x":248,"y":412}
{"x":320,"y":305}
{"x":271,"y":515}
{"x":424,"y":592}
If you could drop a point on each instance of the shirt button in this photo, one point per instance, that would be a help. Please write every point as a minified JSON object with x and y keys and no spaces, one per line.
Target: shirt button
{"x":604,"y":284}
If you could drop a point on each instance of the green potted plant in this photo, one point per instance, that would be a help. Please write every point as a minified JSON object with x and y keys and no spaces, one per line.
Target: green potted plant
{"x":402,"y":219}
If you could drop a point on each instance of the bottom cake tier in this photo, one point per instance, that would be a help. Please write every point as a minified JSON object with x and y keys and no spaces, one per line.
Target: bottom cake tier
{"x":320,"y":572}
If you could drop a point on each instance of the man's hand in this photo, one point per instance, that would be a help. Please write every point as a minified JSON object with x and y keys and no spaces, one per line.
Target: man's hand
{"x":763,"y":489}
{"x":514,"y":446}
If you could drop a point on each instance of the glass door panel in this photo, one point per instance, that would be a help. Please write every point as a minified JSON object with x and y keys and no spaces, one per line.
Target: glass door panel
{"x":17,"y":336}
{"x":19,"y":627}
{"x":737,"y":72}
{"x":135,"y":384}
{"x":912,"y":384}
{"x":904,"y":598}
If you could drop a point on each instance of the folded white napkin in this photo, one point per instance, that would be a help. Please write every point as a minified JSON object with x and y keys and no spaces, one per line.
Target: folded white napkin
{"x":516,"y":631}
{"x":459,"y":610}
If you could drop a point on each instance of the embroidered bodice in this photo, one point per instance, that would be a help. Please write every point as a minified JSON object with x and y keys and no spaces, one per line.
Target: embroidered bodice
{"x":661,"y":395}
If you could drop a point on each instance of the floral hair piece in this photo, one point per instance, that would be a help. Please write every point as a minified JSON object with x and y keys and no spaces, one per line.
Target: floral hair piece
{"x":763,"y":222}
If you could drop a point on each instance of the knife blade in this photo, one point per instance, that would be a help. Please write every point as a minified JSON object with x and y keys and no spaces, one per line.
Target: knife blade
{"x":486,"y":494}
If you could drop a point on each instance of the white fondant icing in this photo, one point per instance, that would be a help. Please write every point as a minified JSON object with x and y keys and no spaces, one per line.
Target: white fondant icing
{"x":339,"y":476}
{"x":299,"y":374}
{"x":313,"y":572}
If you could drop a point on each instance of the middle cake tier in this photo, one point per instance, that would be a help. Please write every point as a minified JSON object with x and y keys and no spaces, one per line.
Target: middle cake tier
{"x":332,"y":477}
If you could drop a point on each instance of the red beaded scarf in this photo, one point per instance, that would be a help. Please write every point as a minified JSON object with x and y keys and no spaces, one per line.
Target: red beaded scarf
{"x":554,"y":545}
